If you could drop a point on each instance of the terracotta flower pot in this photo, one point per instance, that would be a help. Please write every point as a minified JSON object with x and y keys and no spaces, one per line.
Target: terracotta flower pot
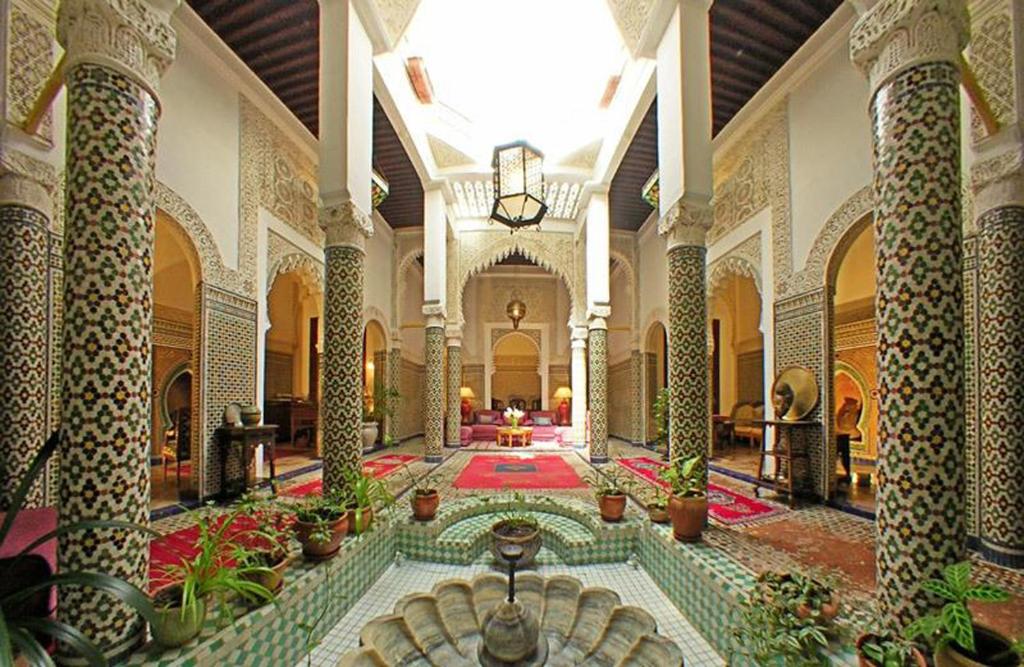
{"x":316,"y":550}
{"x":175,"y":627}
{"x":612,"y":507}
{"x":658,"y":514}
{"x":424,"y":505}
{"x":273,"y":581}
{"x":527,"y":537}
{"x":688,"y":517}
{"x":363,"y":524}
{"x":988,"y":645}
{"x":917,"y":657}
{"x":829,"y":610}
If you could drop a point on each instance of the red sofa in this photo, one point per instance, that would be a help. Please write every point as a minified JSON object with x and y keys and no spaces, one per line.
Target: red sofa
{"x":487,"y":432}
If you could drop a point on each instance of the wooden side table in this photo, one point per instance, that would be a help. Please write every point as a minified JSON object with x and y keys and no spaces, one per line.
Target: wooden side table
{"x":244,"y":440}
{"x":522,"y":434}
{"x":786,"y":451}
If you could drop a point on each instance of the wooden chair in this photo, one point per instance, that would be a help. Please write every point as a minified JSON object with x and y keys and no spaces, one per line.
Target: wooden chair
{"x":178,"y":445}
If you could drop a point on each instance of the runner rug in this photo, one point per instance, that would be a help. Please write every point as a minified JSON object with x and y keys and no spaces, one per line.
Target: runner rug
{"x":724,"y":505}
{"x":380,"y":467}
{"x":518,"y":472}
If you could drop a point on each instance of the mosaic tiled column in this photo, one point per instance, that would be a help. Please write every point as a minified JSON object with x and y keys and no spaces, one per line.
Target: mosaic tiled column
{"x":25,"y":212}
{"x":578,"y":369}
{"x":112,"y":114}
{"x":910,"y":50}
{"x":453,"y":371}
{"x":636,"y":381}
{"x":341,"y":386}
{"x":395,"y":383}
{"x":433,"y":389}
{"x":598,"y":344}
{"x":685,"y":226}
{"x":999,"y":200}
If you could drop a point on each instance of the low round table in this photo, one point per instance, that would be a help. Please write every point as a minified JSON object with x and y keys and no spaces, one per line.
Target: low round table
{"x":514,"y":436}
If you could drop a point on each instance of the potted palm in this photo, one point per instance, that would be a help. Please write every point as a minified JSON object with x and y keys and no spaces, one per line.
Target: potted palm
{"x":425,"y":498}
{"x":321,"y":523}
{"x":24,"y":629}
{"x":182,"y":604}
{"x":688,"y":504}
{"x":517,"y":527}
{"x":610,"y":491}
{"x":958,"y":640}
{"x":362,"y":494}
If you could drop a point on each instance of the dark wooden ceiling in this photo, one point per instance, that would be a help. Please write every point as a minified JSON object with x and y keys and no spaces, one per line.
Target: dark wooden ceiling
{"x":279,"y":41}
{"x":404,"y":206}
{"x":626,"y":209}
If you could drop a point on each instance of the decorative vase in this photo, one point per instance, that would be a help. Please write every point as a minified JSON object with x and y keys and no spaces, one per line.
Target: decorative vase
{"x":370,"y":431}
{"x":688,"y":517}
{"x":251,"y":415}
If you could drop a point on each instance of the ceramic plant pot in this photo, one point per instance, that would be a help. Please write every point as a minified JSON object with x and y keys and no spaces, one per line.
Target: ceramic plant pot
{"x":918,"y":659}
{"x":363,"y":523}
{"x":658,"y":514}
{"x":316,"y":550}
{"x":612,"y":507}
{"x":424,"y":505}
{"x":273,"y":580}
{"x":988,"y":645}
{"x":689,"y":515}
{"x":528,"y":537}
{"x":175,"y":626}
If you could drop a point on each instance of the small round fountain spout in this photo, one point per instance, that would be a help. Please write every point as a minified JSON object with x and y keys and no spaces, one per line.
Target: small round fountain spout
{"x":511,"y":632}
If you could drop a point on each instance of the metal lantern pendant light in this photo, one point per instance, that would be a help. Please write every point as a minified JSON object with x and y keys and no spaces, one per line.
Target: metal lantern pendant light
{"x":518,"y":185}
{"x":516,"y":310}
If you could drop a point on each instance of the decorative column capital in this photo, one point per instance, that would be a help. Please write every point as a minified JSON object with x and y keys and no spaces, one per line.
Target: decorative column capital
{"x":453,"y":335}
{"x":433,"y":320}
{"x":435,"y":313}
{"x":597,"y":323}
{"x":133,"y":37}
{"x":998,"y":180}
{"x":578,"y":337}
{"x":687,"y":222}
{"x":897,"y":34}
{"x":345,"y":225}
{"x":26,"y":181}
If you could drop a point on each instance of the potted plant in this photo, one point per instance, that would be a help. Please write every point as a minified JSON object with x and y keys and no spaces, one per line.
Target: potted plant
{"x":362,"y":494}
{"x":807,"y":596}
{"x":513,"y":416}
{"x":182,"y":604}
{"x":320,"y":524}
{"x":516,"y":526}
{"x":881,"y":649}
{"x":610,"y":491}
{"x":425,"y":497}
{"x":660,"y":416}
{"x":688,"y":504}
{"x":957,"y":639}
{"x":657,"y":507}
{"x":768,"y":630}
{"x":265,"y":546}
{"x":25,"y":629}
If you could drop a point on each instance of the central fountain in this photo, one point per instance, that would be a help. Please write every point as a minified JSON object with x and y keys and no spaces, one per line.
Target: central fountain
{"x":524,"y":621}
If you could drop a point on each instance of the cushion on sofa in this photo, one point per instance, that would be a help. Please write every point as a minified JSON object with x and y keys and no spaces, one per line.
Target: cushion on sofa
{"x":542,"y":421}
{"x":485,"y":419}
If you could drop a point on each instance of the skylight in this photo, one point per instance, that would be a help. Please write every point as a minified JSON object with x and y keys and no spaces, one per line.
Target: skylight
{"x":504,"y":70}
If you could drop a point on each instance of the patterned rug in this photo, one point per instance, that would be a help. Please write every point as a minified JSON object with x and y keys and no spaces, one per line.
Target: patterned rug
{"x":486,"y":471}
{"x":724,"y":505}
{"x":380,"y":467}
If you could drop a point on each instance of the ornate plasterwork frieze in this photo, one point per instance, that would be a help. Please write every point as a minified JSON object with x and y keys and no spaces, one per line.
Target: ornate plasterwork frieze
{"x":345,"y":224}
{"x":283,"y":256}
{"x":623,"y":249}
{"x":897,"y":34}
{"x":131,"y":36}
{"x":395,"y":16}
{"x":686,"y":223}
{"x":742,"y":260}
{"x":26,"y":181}
{"x":850,"y":336}
{"x":532,"y":334}
{"x":992,"y":60}
{"x":632,"y":17}
{"x":445,"y":155}
{"x":29,"y":62}
{"x":998,"y":181}
{"x":799,"y":305}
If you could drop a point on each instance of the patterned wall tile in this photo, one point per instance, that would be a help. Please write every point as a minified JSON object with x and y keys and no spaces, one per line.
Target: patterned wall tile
{"x":972,"y":430}
{"x":688,"y":352}
{"x":454,"y":382}
{"x":598,"y":356}
{"x":433,"y":392}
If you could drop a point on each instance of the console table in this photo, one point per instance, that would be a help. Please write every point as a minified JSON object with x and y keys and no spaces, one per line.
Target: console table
{"x":786,"y":449}
{"x":244,"y":440}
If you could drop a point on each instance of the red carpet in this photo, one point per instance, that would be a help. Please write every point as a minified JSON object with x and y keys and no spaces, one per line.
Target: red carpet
{"x":724,"y":505}
{"x":382,"y":466}
{"x":172,"y":548}
{"x":518,"y":472}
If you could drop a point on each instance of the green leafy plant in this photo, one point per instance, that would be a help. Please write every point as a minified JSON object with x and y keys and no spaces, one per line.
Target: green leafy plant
{"x":612,"y":483}
{"x":364,"y":493}
{"x":886,"y":650}
{"x":321,"y":511}
{"x":954,"y":623}
{"x":19,"y":630}
{"x":385,"y":405}
{"x":515,"y":515}
{"x":686,"y":476}
{"x":797,"y":590}
{"x":421,"y":486}
{"x":266,"y":543}
{"x":660,"y":415}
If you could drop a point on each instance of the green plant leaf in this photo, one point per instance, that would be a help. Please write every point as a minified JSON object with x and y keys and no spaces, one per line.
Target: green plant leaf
{"x":957,"y":621}
{"x":69,"y":635}
{"x":29,"y":478}
{"x":124,"y":591}
{"x":30,"y":648}
{"x":986,"y":593}
{"x":958,"y":575}
{"x":923,"y":628}
{"x":942,"y":589}
{"x":6,"y":650}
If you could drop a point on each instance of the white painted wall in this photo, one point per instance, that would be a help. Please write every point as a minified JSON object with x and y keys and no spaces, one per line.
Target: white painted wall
{"x":652,"y":268}
{"x":830,"y":146}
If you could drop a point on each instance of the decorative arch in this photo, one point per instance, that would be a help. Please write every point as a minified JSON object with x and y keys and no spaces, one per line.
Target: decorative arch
{"x":657,"y":316}
{"x":852,"y":211}
{"x":401,"y":267}
{"x":503,"y":334}
{"x":375,"y":314}
{"x":311,"y":270}
{"x":626,"y":264}
{"x":728,"y":266}
{"x":168,"y":380}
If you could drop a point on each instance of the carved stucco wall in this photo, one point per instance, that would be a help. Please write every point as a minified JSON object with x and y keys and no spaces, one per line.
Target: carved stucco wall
{"x":744,"y":260}
{"x":30,"y":57}
{"x":283,"y":256}
{"x":991,"y":57}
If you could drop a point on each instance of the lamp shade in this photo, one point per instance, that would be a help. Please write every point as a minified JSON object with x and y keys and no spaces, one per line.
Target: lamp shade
{"x":466,"y":392}
{"x":518,"y":185}
{"x":563,"y":393}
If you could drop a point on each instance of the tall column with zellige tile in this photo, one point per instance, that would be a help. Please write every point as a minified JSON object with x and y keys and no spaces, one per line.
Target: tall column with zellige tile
{"x":25,"y":213}
{"x":578,"y":336}
{"x":341,"y":388}
{"x":598,"y":344}
{"x":910,"y":51}
{"x":115,"y":54}
{"x":433,"y":389}
{"x":453,"y":383}
{"x":998,"y":180}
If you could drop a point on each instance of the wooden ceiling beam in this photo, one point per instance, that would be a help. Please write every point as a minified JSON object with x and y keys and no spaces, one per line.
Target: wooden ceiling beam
{"x":747,"y":66}
{"x":301,"y":35}
{"x":760,"y":30}
{"x":296,"y":87}
{"x":266,"y":58}
{"x":287,"y":68}
{"x":742,"y":84}
{"x":769,"y":12}
{"x":239,"y":30}
{"x":738,"y":42}
{"x":724,"y":92}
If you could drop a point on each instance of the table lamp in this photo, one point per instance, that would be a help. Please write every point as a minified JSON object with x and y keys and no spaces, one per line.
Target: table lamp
{"x":467,"y":395}
{"x":563,"y":394}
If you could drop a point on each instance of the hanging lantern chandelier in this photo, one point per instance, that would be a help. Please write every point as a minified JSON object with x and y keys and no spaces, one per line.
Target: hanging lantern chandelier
{"x":518,"y":185}
{"x":516,"y":310}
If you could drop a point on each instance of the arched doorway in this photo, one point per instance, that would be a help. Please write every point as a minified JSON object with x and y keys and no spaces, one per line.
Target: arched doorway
{"x":737,"y":373}
{"x":515,"y":376}
{"x":375,"y":399}
{"x":655,"y":377}
{"x":292,"y":367}
{"x":176,"y":276}
{"x":851,"y":394}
